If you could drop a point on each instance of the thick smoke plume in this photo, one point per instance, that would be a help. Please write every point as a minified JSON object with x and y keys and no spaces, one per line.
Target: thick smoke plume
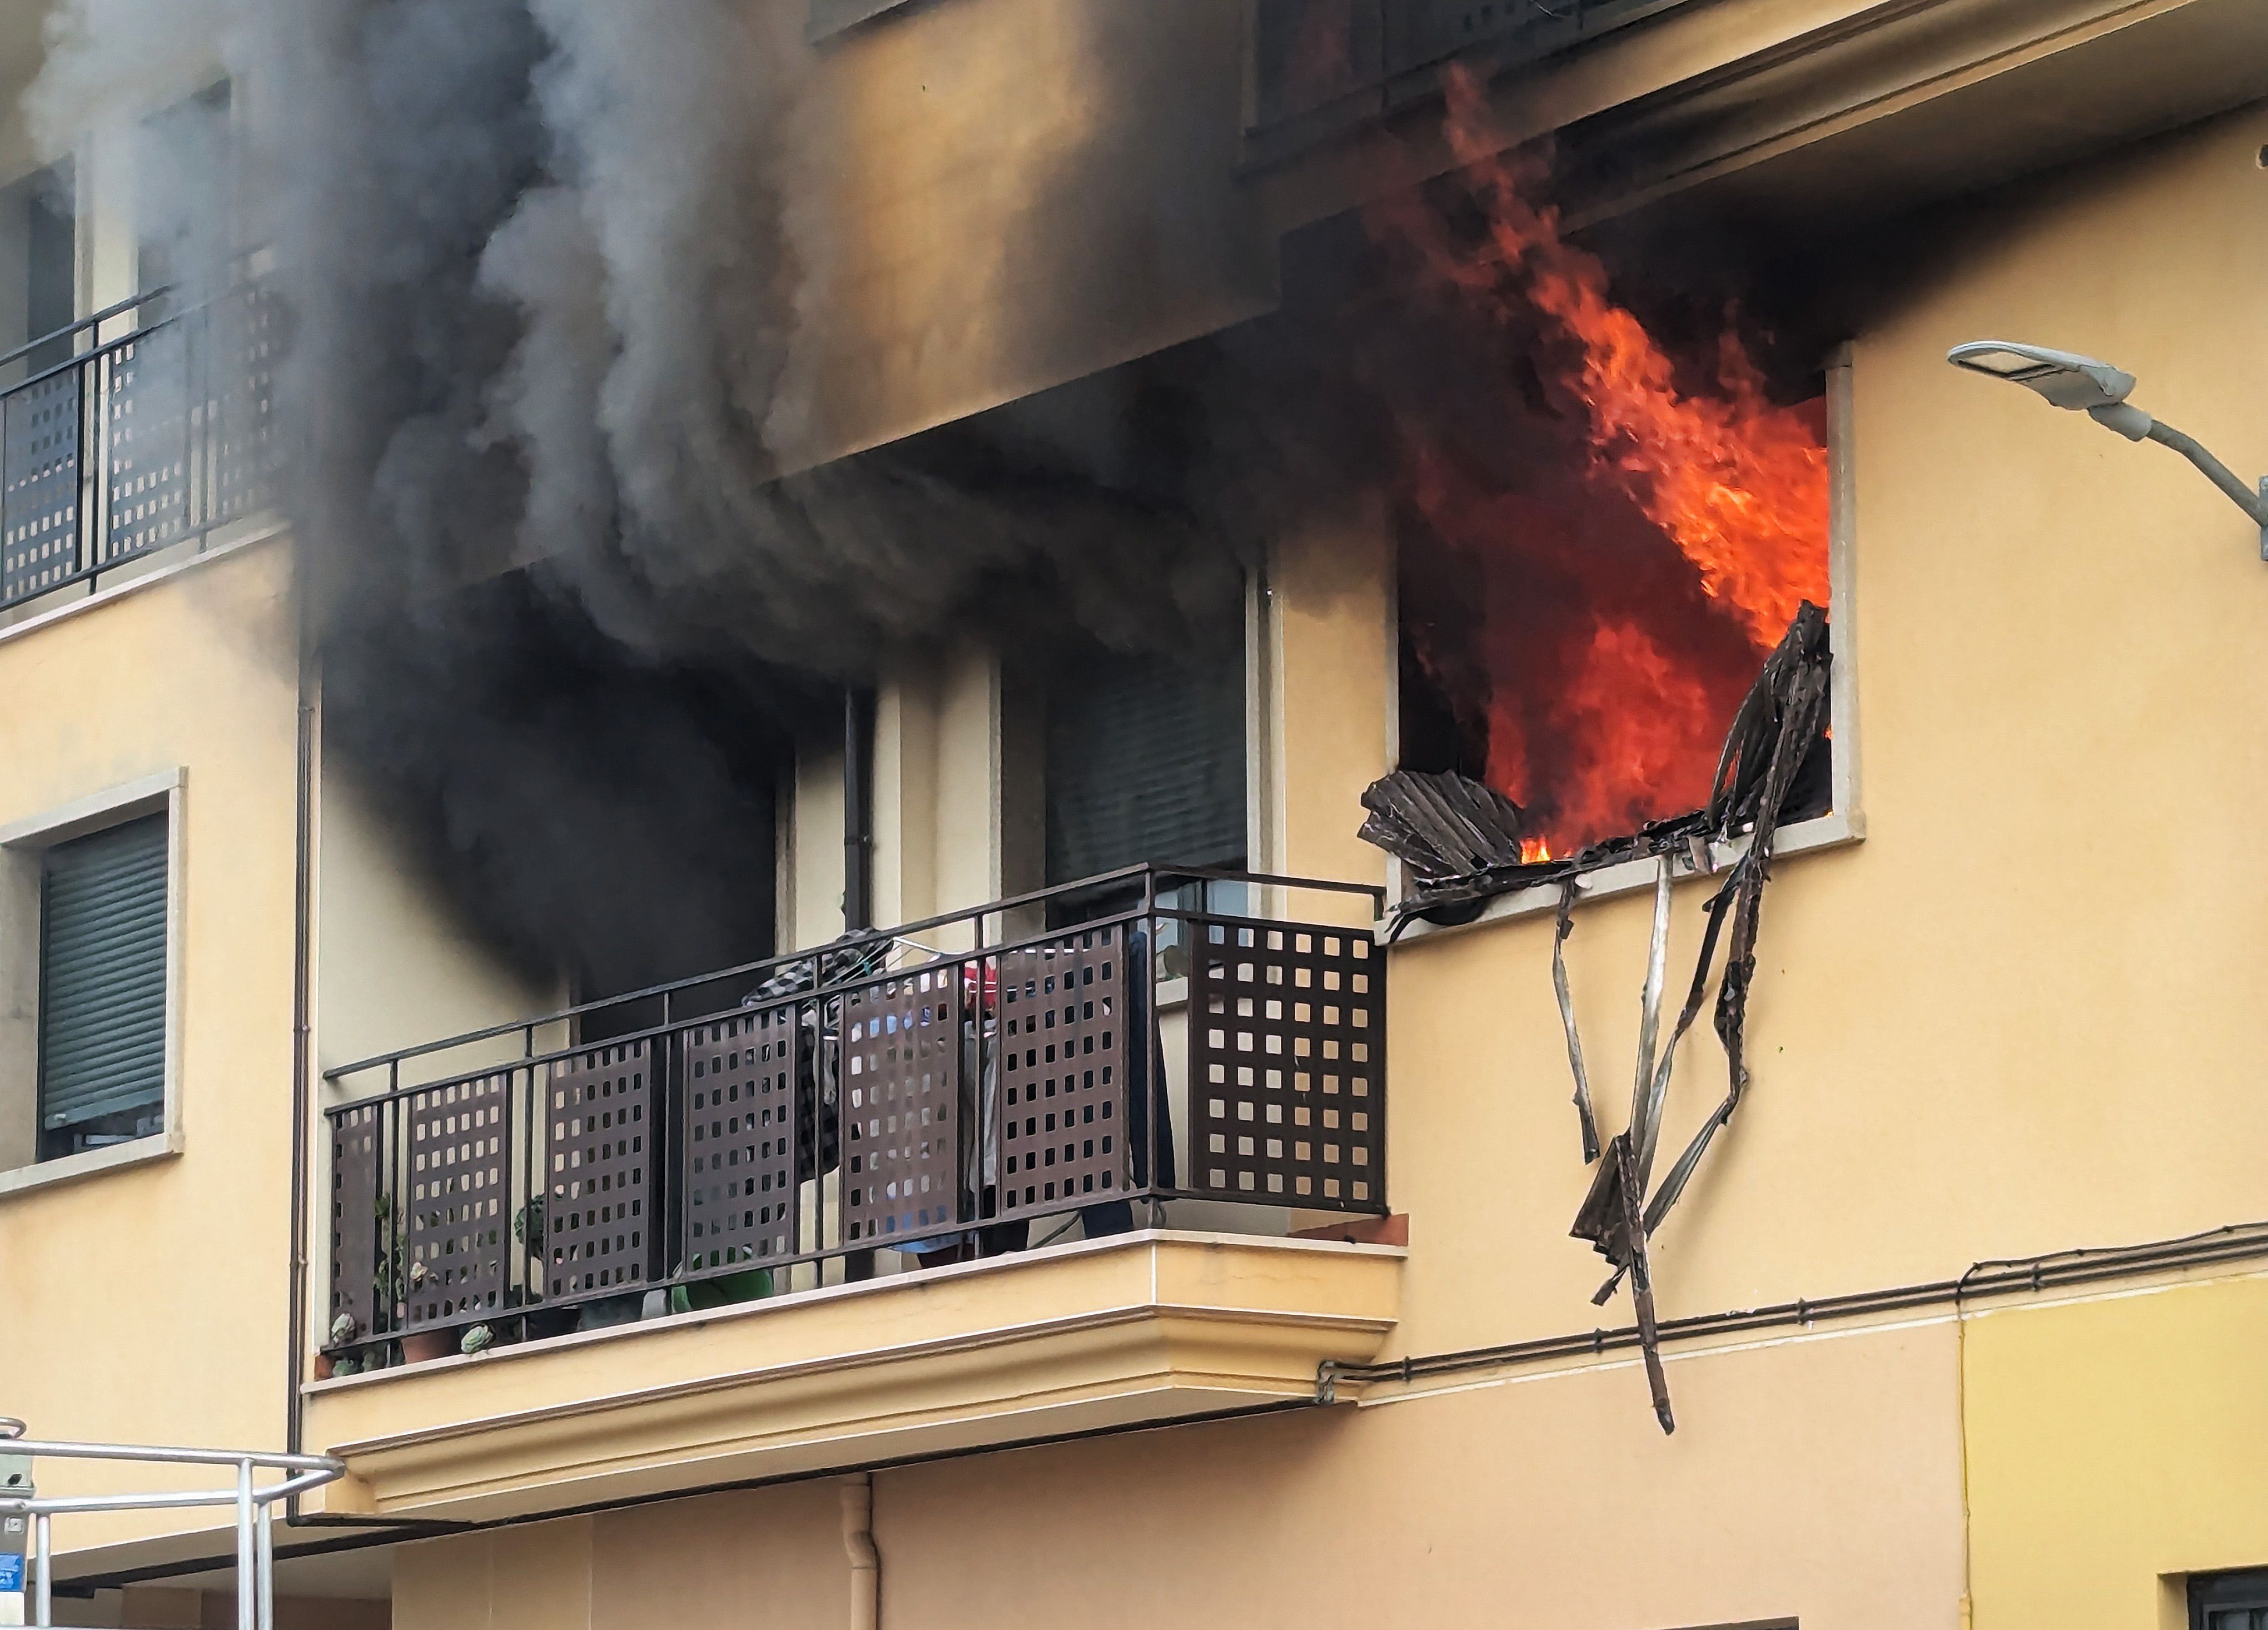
{"x":552,"y":270}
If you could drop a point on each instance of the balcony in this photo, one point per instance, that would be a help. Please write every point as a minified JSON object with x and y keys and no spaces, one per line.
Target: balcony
{"x":1322,"y":68}
{"x":1035,"y":1167}
{"x":111,"y":450}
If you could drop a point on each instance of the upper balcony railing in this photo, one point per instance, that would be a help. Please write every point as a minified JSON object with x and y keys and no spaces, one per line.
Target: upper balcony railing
{"x":929,"y":1094}
{"x":1322,"y":67}
{"x":111,"y":450}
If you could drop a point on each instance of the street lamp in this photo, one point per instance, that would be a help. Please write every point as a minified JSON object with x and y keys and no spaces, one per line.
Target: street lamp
{"x":2099,"y":391}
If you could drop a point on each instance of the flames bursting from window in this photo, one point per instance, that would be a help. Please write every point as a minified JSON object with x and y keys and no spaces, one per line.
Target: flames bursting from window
{"x":1593,"y":614}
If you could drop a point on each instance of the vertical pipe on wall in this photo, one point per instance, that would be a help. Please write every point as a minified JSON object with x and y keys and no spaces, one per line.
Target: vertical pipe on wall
{"x":857,"y":808}
{"x":866,"y":1560}
{"x":302,"y":831}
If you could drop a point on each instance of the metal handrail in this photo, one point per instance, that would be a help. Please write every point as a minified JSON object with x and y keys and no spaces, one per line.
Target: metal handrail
{"x":205,"y":465}
{"x":256,"y":1539}
{"x":546,"y":1125}
{"x":84,"y":323}
{"x":901,"y":933}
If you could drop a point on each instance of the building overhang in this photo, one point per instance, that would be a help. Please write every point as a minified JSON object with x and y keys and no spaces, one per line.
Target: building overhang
{"x":1823,"y":112}
{"x":1141,"y":1330}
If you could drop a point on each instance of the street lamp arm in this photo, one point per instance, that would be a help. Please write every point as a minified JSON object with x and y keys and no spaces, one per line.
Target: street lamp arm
{"x":2131,"y":422}
{"x":2248,"y":498}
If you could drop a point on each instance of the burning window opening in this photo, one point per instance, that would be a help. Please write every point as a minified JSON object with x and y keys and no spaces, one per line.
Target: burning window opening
{"x":1591,"y":579}
{"x":1614,"y":641}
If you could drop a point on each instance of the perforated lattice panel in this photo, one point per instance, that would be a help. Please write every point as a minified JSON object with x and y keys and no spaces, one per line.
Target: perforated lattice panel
{"x":458,"y":1189}
{"x":741,"y":1134}
{"x":598,"y":1124}
{"x":244,"y":338}
{"x":148,"y":474}
{"x":354,"y":1149}
{"x":901,"y":1107}
{"x":1287,"y":1064}
{"x":39,"y":485}
{"x":1063,"y":1047}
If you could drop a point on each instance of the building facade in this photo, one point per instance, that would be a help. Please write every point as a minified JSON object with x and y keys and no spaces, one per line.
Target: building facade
{"x":306,"y":1149}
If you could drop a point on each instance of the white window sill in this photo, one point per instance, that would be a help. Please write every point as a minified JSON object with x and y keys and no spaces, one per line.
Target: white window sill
{"x":38,"y":611}
{"x":1833,"y":830}
{"x":163,"y":1145}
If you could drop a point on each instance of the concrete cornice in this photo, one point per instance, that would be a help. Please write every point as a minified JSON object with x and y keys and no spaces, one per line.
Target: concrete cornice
{"x":1141,"y":1331}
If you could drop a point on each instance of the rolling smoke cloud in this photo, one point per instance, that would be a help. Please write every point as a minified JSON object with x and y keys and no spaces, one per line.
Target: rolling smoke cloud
{"x":553,"y":271}
{"x":555,"y":266}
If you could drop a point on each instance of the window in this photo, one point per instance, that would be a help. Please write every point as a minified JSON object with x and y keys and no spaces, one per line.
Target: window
{"x":102,"y":988}
{"x":2229,"y":1602}
{"x":1146,"y":762}
{"x":89,"y":934}
{"x":184,"y":194}
{"x":39,"y":281}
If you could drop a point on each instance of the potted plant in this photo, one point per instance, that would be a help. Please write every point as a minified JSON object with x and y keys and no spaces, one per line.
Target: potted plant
{"x":419,"y":1345}
{"x":748,"y":1285}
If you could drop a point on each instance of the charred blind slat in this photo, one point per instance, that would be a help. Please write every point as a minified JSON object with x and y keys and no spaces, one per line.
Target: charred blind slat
{"x":102,"y":977}
{"x":1146,"y":762}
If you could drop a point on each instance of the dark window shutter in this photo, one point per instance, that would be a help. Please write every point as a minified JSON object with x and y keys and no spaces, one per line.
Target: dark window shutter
{"x":102,"y":976}
{"x":1146,"y":762}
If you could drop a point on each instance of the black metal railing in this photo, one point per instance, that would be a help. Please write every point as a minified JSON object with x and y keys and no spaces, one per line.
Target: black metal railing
{"x":1320,"y":67}
{"x":937,"y":1091}
{"x":131,"y":445}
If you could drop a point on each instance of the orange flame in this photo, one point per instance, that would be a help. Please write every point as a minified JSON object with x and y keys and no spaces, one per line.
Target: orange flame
{"x":1736,"y":483}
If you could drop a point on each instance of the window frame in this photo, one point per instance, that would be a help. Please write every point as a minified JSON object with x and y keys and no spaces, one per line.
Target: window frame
{"x":23,"y":845}
{"x":1845,"y":821}
{"x":2242,"y":1590}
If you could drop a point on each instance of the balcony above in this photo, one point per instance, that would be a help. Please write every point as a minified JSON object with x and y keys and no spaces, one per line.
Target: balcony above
{"x":1140,"y":1329}
{"x":1802,"y":117}
{"x":1323,"y":68}
{"x":117,"y":448}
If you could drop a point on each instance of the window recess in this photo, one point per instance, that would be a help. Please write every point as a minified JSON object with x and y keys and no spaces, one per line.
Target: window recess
{"x":1144,"y":760}
{"x":102,"y":988}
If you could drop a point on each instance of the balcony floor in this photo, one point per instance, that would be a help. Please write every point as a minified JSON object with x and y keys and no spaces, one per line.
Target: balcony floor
{"x":1136,"y":1330}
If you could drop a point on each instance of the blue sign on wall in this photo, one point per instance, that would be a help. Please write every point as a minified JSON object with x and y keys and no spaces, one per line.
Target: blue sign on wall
{"x":11,"y":1572}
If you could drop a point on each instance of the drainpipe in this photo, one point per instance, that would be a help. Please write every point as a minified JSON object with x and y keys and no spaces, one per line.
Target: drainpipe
{"x":302,"y":1053}
{"x":865,"y":1560}
{"x":857,"y":808}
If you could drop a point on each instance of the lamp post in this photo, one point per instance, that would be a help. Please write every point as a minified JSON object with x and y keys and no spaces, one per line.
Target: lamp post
{"x":2083,"y":385}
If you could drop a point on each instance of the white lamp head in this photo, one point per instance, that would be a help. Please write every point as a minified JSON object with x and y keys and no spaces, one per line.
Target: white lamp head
{"x":2065,"y":378}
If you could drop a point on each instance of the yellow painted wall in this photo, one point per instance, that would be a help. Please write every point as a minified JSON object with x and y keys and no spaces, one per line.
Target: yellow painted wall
{"x":148,"y":1304}
{"x":1816,"y":1481}
{"x":2115,"y":1446}
{"x":512,"y":1579}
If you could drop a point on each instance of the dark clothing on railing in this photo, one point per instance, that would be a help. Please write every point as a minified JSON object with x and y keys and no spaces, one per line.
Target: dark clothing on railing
{"x":818,"y":1060}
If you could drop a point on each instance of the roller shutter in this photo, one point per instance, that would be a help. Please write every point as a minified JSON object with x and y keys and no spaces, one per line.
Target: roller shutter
{"x":1146,"y":762}
{"x":102,"y":976}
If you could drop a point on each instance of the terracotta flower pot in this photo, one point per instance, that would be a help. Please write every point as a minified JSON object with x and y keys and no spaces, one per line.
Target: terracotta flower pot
{"x":428,"y":1344}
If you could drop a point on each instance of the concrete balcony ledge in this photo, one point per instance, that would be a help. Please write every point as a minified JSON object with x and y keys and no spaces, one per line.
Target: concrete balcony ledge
{"x":1138,"y":1330}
